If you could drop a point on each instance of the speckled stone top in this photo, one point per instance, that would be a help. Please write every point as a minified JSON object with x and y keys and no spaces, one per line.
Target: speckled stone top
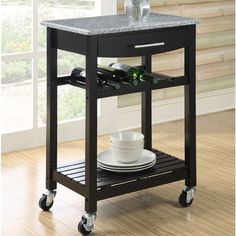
{"x":117,"y":23}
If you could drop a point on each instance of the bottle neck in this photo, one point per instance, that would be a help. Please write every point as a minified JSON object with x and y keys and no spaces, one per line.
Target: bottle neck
{"x":150,"y":78}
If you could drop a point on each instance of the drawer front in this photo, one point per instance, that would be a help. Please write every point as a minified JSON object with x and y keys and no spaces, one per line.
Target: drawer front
{"x":138,"y":44}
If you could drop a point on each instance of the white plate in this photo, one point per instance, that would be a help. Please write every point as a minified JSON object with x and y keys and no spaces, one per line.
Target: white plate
{"x":106,"y":158}
{"x":128,"y":170}
{"x":125,"y":167}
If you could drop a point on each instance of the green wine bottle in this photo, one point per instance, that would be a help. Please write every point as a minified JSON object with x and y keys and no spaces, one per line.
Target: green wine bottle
{"x":148,"y":77}
{"x":136,"y":72}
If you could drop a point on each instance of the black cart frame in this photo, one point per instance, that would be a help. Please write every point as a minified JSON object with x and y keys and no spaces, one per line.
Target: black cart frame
{"x":84,"y":177}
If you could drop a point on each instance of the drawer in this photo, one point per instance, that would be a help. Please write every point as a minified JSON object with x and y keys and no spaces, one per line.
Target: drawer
{"x":141,"y":43}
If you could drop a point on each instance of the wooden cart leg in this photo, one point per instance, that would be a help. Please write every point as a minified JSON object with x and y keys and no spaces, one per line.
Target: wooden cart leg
{"x":190,"y":109}
{"x":51,"y":139}
{"x":187,"y":195}
{"x":146,"y":104}
{"x":46,"y":201}
{"x":91,"y":126}
{"x":86,"y":224}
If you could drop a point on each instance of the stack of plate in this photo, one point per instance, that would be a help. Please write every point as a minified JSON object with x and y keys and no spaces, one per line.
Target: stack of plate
{"x":107,"y":162}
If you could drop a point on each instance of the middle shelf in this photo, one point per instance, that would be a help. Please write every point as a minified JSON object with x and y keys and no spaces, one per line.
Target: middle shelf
{"x":166,"y":82}
{"x":119,"y":79}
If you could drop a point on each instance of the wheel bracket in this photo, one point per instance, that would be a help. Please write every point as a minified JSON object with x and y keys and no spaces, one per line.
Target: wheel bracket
{"x":50,"y":197}
{"x":190,"y":193}
{"x":90,"y":219}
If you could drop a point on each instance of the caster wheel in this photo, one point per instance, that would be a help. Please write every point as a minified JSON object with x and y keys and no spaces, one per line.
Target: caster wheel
{"x":43,"y":203}
{"x":81,"y":227}
{"x":183,"y":200}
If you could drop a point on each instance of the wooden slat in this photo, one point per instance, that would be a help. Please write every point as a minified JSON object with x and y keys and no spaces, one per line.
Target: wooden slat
{"x":215,"y":70}
{"x":62,"y":166}
{"x":158,"y":153}
{"x":71,"y":167}
{"x":176,"y":2}
{"x":216,"y":24}
{"x":229,"y":10}
{"x":157,"y":3}
{"x":76,"y":175}
{"x":206,"y":10}
{"x":213,"y":55}
{"x":108,"y":182}
{"x":199,"y":10}
{"x":170,"y":10}
{"x":208,"y":71}
{"x":215,"y":39}
{"x":112,"y":178}
{"x":77,"y":171}
{"x":73,"y":171}
{"x":165,"y":61}
{"x":80,"y":174}
{"x":120,"y":3}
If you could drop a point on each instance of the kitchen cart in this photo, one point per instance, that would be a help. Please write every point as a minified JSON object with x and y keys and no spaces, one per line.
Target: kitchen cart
{"x":113,"y":36}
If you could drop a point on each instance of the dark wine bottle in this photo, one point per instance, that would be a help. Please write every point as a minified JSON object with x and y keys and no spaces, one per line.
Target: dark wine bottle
{"x":103,"y":80}
{"x":79,"y":75}
{"x":117,"y":75}
{"x":76,"y":73}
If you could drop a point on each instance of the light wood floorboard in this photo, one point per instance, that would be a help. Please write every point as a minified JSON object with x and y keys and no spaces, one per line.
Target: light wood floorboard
{"x":149,"y":212}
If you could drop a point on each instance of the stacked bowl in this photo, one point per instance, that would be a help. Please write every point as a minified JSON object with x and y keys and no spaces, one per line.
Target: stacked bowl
{"x":127,"y":154}
{"x":127,"y":147}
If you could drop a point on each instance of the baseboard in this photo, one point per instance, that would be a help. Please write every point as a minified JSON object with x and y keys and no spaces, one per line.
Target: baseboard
{"x":127,"y":118}
{"x":173,"y":109}
{"x":32,"y":138}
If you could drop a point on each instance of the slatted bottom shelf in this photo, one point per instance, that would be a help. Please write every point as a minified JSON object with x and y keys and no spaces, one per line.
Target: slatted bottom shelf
{"x":167,"y":169}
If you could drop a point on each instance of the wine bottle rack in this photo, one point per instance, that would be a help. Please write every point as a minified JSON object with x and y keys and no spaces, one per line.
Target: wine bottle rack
{"x":164,"y":82}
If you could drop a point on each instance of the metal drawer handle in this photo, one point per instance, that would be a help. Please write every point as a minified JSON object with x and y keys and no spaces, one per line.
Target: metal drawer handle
{"x":149,"y":45}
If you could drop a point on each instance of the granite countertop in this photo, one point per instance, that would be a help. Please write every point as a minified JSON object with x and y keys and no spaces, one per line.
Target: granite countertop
{"x":117,"y":23}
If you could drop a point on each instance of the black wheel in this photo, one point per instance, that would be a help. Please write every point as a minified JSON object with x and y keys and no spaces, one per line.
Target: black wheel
{"x":81,"y":227}
{"x":183,"y":200}
{"x":42,"y":203}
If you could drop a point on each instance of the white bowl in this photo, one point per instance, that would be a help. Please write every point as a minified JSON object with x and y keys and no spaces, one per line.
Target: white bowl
{"x":127,"y":138}
{"x":126,"y":156}
{"x":127,"y":147}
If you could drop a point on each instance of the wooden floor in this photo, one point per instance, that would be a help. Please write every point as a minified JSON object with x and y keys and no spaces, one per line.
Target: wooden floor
{"x":149,"y":212}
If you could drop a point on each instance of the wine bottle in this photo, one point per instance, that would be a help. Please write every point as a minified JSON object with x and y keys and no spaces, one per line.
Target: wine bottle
{"x":132,"y":72}
{"x":136,"y":72}
{"x":76,"y":76}
{"x":148,"y":77}
{"x":103,"y":80}
{"x":79,"y":75}
{"x":76,"y":73}
{"x":117,"y":75}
